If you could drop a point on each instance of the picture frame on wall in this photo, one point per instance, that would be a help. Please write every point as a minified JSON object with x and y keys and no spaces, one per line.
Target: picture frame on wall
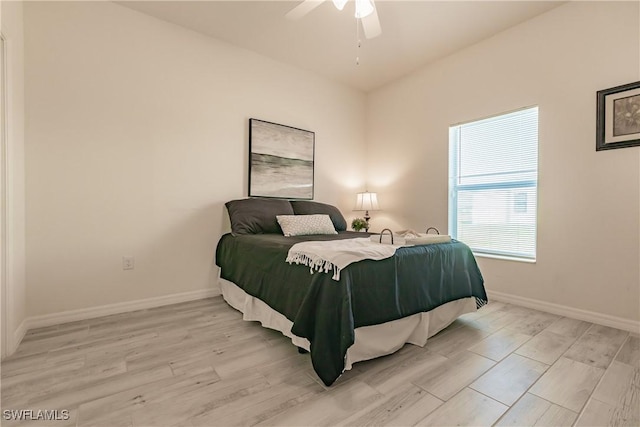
{"x":618,"y":119}
{"x":281,"y":161}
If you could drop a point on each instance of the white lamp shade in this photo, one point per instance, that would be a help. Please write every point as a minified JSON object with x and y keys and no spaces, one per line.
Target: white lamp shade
{"x":367,"y":202}
{"x":339,"y":4}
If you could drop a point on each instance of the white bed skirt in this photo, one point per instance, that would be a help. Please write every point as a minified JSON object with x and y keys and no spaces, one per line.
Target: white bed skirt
{"x":370,"y":341}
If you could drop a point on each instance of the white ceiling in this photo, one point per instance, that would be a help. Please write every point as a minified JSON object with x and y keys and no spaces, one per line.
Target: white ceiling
{"x":414,"y":33}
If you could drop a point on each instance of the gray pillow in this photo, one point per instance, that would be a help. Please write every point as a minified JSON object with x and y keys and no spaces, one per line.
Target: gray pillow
{"x":257,"y":216}
{"x":305,"y":207}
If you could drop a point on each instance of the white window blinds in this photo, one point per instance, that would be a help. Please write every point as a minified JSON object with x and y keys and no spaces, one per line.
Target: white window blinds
{"x":493,"y":180}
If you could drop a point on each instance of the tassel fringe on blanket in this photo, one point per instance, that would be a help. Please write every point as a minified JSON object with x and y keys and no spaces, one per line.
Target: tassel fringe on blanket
{"x":315,"y":264}
{"x":335,"y":255}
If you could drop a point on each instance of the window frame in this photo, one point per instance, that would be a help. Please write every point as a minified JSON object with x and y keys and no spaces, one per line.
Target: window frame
{"x":455,"y":188}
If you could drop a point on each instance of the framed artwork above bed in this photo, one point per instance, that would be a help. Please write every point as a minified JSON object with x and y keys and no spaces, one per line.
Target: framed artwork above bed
{"x":281,"y":161}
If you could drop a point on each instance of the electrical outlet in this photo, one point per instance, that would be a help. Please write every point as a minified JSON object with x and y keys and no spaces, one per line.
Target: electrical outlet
{"x":127,"y":263}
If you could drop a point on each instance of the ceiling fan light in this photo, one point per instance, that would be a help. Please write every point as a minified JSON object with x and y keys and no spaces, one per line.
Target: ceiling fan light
{"x":339,"y":4}
{"x":364,"y":8}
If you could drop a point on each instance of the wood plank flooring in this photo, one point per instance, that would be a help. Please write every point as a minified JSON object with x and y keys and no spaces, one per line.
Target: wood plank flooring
{"x":200,"y":364}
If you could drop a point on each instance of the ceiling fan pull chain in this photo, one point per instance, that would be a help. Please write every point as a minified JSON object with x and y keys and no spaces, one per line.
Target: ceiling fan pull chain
{"x":358,"y":42}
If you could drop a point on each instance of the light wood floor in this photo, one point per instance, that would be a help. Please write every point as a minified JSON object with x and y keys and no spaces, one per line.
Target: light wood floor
{"x":199,"y":364}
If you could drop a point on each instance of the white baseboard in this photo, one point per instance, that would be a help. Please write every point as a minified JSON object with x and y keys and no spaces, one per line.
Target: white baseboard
{"x":563,"y":310}
{"x":106,"y":310}
{"x":123,"y":307}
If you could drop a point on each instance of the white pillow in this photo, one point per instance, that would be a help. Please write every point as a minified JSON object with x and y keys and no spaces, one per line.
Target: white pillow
{"x":302,"y":225}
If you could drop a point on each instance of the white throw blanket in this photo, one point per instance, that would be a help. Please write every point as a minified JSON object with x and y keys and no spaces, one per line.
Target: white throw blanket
{"x":337,"y":254}
{"x":411,"y":239}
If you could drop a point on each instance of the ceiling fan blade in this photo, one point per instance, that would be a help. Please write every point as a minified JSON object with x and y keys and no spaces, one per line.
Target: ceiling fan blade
{"x":371,"y":24}
{"x":302,"y":9}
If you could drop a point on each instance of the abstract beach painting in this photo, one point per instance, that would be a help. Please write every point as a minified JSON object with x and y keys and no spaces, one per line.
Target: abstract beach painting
{"x":281,"y":161}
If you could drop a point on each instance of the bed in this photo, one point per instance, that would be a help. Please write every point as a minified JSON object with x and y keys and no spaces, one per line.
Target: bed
{"x":372,"y":310}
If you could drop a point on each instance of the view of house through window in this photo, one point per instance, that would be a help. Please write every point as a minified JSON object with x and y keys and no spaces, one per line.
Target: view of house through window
{"x":493,"y":180}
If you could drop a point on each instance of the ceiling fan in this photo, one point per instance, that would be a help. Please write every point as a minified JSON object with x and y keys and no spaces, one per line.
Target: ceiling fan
{"x":365,"y":11}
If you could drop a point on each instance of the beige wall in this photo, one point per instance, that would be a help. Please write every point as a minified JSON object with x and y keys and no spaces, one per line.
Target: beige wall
{"x":15,"y":303}
{"x":137,"y":134}
{"x":588,"y":207}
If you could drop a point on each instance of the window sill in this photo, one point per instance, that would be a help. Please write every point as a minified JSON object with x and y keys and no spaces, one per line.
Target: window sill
{"x":505,"y":258}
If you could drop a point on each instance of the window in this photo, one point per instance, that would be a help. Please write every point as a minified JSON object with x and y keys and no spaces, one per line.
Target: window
{"x":493,"y":184}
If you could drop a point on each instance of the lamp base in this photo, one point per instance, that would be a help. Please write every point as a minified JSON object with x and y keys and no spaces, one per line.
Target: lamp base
{"x":366,"y":218}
